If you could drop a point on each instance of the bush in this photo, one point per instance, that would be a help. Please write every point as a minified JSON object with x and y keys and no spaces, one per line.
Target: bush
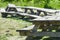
{"x":53,"y":4}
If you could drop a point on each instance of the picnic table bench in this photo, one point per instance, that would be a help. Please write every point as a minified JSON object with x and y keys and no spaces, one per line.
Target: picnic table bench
{"x":26,"y":31}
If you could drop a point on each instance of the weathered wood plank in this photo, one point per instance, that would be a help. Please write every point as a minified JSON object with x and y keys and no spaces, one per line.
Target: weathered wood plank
{"x":10,"y":12}
{"x":51,"y":34}
{"x":30,"y":15}
{"x":25,"y":31}
{"x":40,"y":9}
{"x":48,"y":18}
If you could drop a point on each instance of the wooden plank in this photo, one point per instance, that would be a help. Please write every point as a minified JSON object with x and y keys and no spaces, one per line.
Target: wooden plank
{"x":23,"y":14}
{"x":47,"y":18}
{"x":40,"y":9}
{"x":25,"y":31}
{"x":58,"y":20}
{"x":30,"y":15}
{"x":33,"y":8}
{"x":51,"y":34}
{"x":10,"y":12}
{"x":28,"y":28}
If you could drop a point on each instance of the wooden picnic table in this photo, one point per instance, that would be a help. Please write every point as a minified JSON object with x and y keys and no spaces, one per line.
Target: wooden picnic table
{"x":38,"y":23}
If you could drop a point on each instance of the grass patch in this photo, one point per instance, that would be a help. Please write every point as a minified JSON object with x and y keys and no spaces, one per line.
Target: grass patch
{"x":11,"y":25}
{"x":3,"y":37}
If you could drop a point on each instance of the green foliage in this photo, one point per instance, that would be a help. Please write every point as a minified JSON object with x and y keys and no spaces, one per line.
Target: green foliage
{"x":7,"y":0}
{"x":54,"y":4}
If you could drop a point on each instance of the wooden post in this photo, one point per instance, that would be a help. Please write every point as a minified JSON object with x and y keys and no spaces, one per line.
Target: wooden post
{"x":38,"y":12}
{"x":31,"y":10}
{"x":25,"y":10}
